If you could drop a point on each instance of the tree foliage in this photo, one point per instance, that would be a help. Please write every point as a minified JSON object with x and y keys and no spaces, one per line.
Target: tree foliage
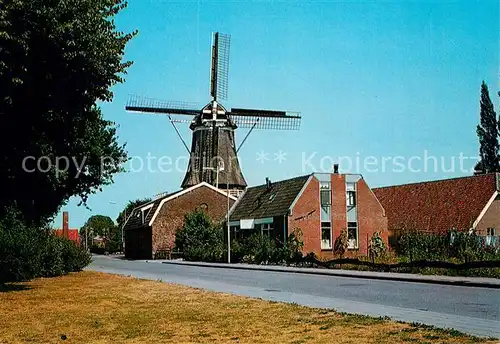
{"x":200,"y":239}
{"x":27,"y":252}
{"x":376,"y":247}
{"x":58,"y":59}
{"x":341,"y":243}
{"x":131,"y":205}
{"x":488,"y":133}
{"x":104,"y":227}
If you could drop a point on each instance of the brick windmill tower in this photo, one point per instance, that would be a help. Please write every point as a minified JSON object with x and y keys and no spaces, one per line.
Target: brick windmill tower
{"x":213,"y":153}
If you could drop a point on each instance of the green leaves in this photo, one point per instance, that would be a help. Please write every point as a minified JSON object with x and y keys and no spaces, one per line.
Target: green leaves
{"x":200,"y":239}
{"x":58,"y":58}
{"x":488,"y":133}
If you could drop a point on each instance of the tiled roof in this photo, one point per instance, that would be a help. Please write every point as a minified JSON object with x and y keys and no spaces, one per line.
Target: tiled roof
{"x":437,"y":205}
{"x":135,"y":219}
{"x":259,"y":202}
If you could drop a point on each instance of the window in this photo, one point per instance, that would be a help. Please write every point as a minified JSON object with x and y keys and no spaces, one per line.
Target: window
{"x":490,"y":237}
{"x":352,"y":235}
{"x":325,"y":194}
{"x":326,"y":235}
{"x":351,"y":194}
{"x":351,"y":198}
{"x":266,"y":229}
{"x":235,"y":232}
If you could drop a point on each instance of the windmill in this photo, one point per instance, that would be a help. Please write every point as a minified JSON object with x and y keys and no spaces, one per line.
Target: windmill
{"x":213,"y":154}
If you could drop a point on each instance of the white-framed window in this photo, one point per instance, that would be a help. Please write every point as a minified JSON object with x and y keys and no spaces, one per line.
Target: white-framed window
{"x":266,"y":229}
{"x":325,"y":193}
{"x":352,"y":235}
{"x":325,"y":200}
{"x":326,"y":235}
{"x":350,"y":194}
{"x":490,"y":237}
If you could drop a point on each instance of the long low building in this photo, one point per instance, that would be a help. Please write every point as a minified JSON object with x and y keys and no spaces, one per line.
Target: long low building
{"x":464,"y":203}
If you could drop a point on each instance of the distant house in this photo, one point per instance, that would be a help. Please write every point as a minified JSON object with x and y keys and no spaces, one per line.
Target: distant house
{"x":441,"y":205}
{"x":320,"y":204}
{"x":70,"y":233}
{"x":151,"y":227}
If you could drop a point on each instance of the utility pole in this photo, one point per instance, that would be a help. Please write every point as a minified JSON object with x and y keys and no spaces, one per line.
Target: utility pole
{"x":228,"y":227}
{"x":123,"y":226}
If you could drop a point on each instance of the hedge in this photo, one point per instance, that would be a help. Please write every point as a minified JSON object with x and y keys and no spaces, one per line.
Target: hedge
{"x":27,"y":252}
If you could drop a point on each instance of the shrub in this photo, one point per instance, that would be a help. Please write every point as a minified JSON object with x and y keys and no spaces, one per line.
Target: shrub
{"x":19,"y":249}
{"x":460,"y":247}
{"x":291,"y":251}
{"x":376,"y":248}
{"x":199,"y":239}
{"x":341,"y":243}
{"x":27,"y":252}
{"x":259,"y":249}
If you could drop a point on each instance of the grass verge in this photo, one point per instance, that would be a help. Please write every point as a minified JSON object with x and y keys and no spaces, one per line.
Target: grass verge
{"x":91,"y":307}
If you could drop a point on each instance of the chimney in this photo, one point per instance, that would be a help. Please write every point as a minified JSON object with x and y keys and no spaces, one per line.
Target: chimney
{"x":268,"y":183}
{"x":65,"y":225}
{"x":336,"y":168}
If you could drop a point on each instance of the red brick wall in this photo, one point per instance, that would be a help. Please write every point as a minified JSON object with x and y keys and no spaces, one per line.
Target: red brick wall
{"x":371,"y":217}
{"x":306,"y":216}
{"x":171,"y":216}
{"x":339,"y":205}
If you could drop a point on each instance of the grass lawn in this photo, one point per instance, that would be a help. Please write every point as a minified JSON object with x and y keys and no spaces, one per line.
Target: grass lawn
{"x":90,"y":307}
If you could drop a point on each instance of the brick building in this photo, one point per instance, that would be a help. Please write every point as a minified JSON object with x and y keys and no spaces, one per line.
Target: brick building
{"x":320,"y":204}
{"x":151,"y":227}
{"x":66,"y":232}
{"x":441,"y":205}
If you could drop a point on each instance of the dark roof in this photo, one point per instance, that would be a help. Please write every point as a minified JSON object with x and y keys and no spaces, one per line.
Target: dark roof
{"x":135,"y":219}
{"x":437,"y":205}
{"x":259,"y":202}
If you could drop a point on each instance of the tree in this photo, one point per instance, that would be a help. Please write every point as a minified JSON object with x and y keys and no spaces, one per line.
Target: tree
{"x":341,"y":243}
{"x":200,"y":239}
{"x":131,"y":205}
{"x":58,"y":59}
{"x":488,"y":133}
{"x":104,"y":227}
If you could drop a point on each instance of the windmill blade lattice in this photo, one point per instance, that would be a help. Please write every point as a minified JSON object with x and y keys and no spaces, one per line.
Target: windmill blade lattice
{"x":265,"y":119}
{"x":142,"y":104}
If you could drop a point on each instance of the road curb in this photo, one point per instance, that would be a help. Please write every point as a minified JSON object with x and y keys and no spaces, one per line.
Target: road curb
{"x":446,"y":280}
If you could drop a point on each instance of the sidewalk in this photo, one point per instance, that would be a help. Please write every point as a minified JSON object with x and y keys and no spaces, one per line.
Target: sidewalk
{"x":447,"y":280}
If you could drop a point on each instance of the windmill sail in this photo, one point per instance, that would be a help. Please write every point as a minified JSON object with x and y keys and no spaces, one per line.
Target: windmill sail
{"x":213,"y":154}
{"x":220,"y":66}
{"x":265,"y":119}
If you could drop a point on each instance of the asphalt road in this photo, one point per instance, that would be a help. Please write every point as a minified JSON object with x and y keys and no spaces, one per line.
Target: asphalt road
{"x":468,"y":309}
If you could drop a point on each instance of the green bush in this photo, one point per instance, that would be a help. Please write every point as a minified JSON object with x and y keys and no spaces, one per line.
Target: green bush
{"x":19,"y":249}
{"x":256,"y":248}
{"x":460,"y":247}
{"x":200,"y":239}
{"x":341,"y":243}
{"x":28,"y":252}
{"x":376,"y":247}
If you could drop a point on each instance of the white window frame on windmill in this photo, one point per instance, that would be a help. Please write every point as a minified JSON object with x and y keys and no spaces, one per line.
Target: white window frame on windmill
{"x":325,"y":204}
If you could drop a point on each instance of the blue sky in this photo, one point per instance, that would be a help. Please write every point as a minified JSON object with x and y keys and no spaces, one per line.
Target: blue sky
{"x":372,"y":80}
